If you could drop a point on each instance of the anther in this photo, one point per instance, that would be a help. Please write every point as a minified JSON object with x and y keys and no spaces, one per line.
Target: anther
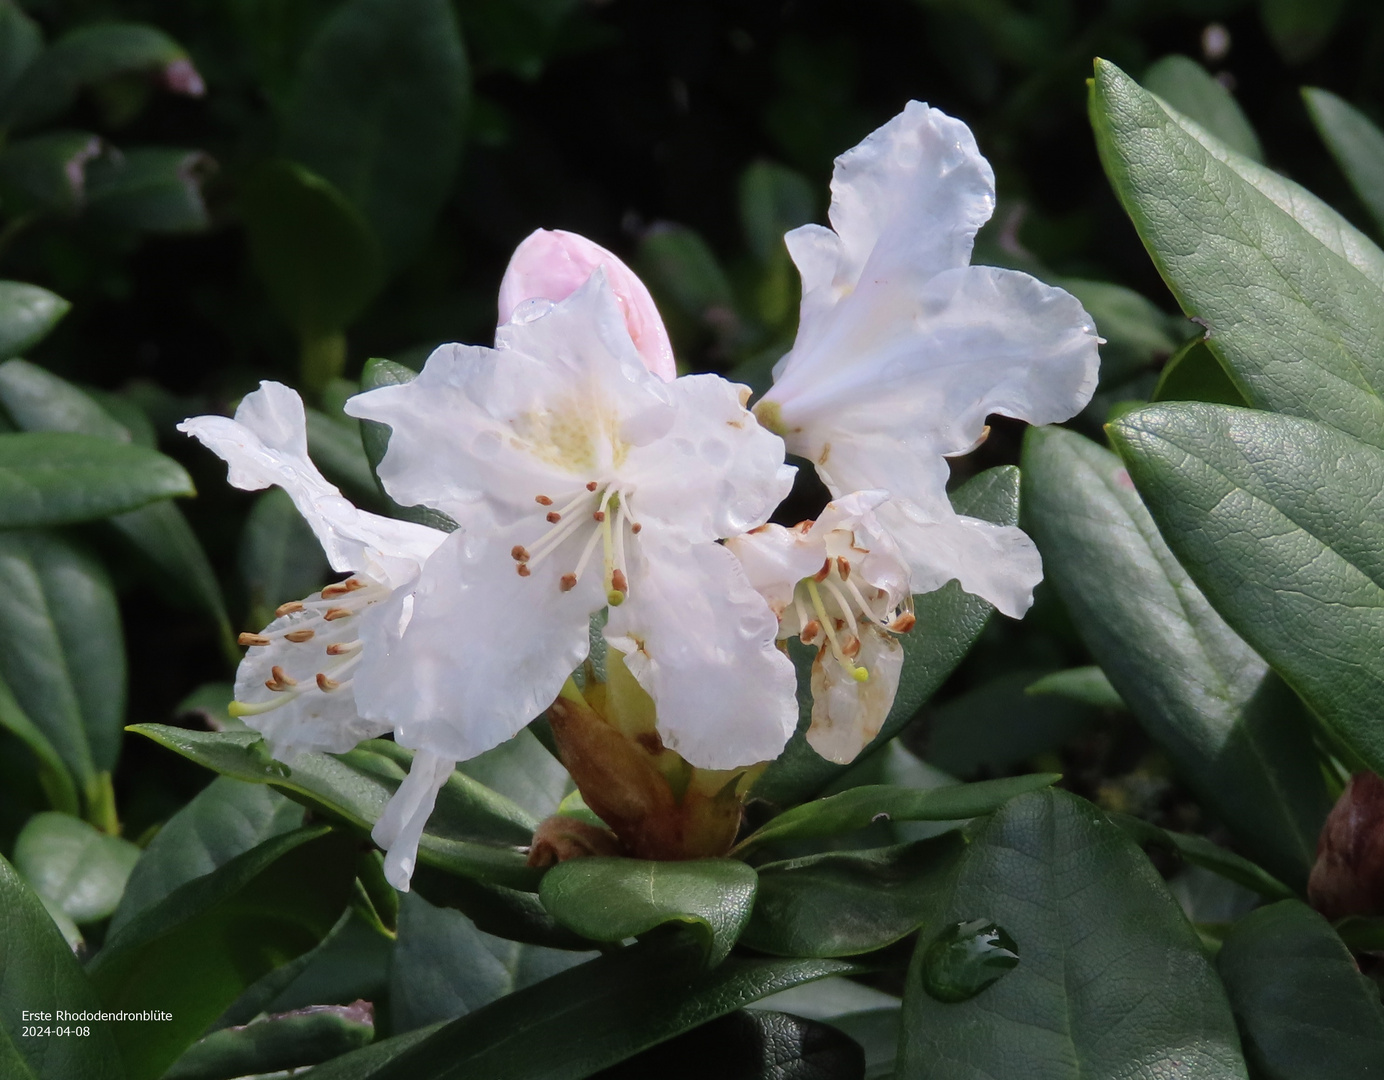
{"x":904,"y":623}
{"x":821,"y":575}
{"x":851,"y":647}
{"x":288,"y":608}
{"x":592,"y":486}
{"x":280,"y":681}
{"x":553,"y":517}
{"x":341,"y":588}
{"x":325,"y":684}
{"x":252,"y":639}
{"x":567,"y":582}
{"x":543,"y":500}
{"x":334,"y":613}
{"x":636,"y":527}
{"x":843,"y":567}
{"x":619,"y":581}
{"x":299,"y":636}
{"x":809,"y":632}
{"x":519,"y":553}
{"x":339,"y":648}
{"x":524,"y":571}
{"x":599,"y":515}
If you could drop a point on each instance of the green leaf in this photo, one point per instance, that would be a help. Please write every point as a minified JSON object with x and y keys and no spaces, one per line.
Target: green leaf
{"x":335,"y":445}
{"x":1287,"y":290}
{"x":1194,"y":374}
{"x":27,"y":315}
{"x":47,"y":172}
{"x":1189,"y":88}
{"x":687,"y":280}
{"x":1299,"y":28}
{"x":501,"y":912}
{"x":21,"y":41}
{"x":42,"y":976}
{"x":522,"y":769}
{"x":1088,"y":685}
{"x":192,"y":953}
{"x":473,"y":831}
{"x":443,"y":967}
{"x":1235,"y":733}
{"x":379,"y":109}
{"x":280,"y":558}
{"x":1110,"y":981}
{"x":225,"y":819}
{"x":375,"y":437}
{"x":1137,"y":333}
{"x":858,"y":807}
{"x":73,"y":866}
{"x":610,"y":899}
{"x":1276,"y":519}
{"x":949,"y":621}
{"x":92,"y":54}
{"x":1356,"y":144}
{"x":596,"y":1015}
{"x":773,"y":200}
{"x":843,"y":903}
{"x":54,"y":776}
{"x":277,"y":1042}
{"x":1199,"y":851}
{"x":362,"y":1064}
{"x":311,"y":247}
{"x":56,"y":478}
{"x":37,"y":400}
{"x":1305,"y":1011}
{"x":61,"y":648}
{"x":150,"y":189}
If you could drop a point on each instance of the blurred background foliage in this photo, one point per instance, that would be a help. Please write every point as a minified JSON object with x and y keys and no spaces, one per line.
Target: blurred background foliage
{"x":222,"y":191}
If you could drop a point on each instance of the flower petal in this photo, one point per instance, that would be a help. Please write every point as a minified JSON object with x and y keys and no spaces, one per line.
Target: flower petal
{"x":847,"y":714}
{"x":716,"y":473}
{"x":473,"y":652}
{"x":267,"y":444}
{"x":553,"y":264}
{"x":400,"y":827}
{"x":774,"y":560}
{"x":700,"y":640}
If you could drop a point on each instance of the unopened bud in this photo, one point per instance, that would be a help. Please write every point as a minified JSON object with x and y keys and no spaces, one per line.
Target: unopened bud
{"x":1348,"y":878}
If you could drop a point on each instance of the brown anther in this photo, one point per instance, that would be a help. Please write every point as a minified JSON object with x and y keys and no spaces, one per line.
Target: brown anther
{"x":599,"y":515}
{"x":804,"y":526}
{"x":567,"y":582}
{"x":336,"y":648}
{"x":334,"y":613}
{"x":288,"y":608}
{"x":592,"y":486}
{"x":904,"y":623}
{"x":850,"y":648}
{"x":821,"y":575}
{"x":325,"y":684}
{"x":519,"y":553}
{"x":553,"y":517}
{"x":809,"y":632}
{"x":280,"y":680}
{"x":299,"y":636}
{"x":543,"y":500}
{"x":618,"y":581}
{"x":524,"y":571}
{"x":341,"y":588}
{"x":839,"y":623}
{"x":843,"y":567}
{"x":253,"y":639}
{"x":636,"y":527}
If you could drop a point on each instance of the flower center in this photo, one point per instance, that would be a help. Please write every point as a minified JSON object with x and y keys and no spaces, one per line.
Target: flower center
{"x":599,"y":511}
{"x":838,"y":606}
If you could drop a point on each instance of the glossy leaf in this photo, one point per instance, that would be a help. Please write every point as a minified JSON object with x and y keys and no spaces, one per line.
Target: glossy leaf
{"x":843,"y":903}
{"x":73,"y":866}
{"x":1137,"y":333}
{"x":55,"y":478}
{"x":1356,"y":144}
{"x":27,"y":314}
{"x":38,"y":973}
{"x":598,"y":1014}
{"x":280,"y":558}
{"x":335,"y":445}
{"x":1189,"y":88}
{"x":1088,"y":685}
{"x":1199,"y":851}
{"x":1277,"y":520}
{"x":1287,"y":290}
{"x":277,"y":1042}
{"x":473,"y":831}
{"x":1111,"y":980}
{"x":522,"y":769}
{"x":379,"y":109}
{"x":48,"y":172}
{"x":193,"y":952}
{"x":1235,"y":733}
{"x":501,"y":912}
{"x":62,"y":649}
{"x":949,"y":621}
{"x":1305,"y":1011}
{"x":21,"y":41}
{"x":225,"y":819}
{"x":155,"y":190}
{"x":53,"y":774}
{"x":858,"y":807}
{"x":363,"y":1064}
{"x":611,"y":899}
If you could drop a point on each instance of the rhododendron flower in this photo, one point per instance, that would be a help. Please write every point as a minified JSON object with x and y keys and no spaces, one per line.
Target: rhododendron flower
{"x":553,"y":264}
{"x":581,"y":480}
{"x":839,"y":583}
{"x":295,"y":685}
{"x":903,"y":349}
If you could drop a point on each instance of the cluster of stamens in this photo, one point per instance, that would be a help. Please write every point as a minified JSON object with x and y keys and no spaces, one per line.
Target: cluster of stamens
{"x":842,"y":632}
{"x":343,"y":601}
{"x":605,"y":513}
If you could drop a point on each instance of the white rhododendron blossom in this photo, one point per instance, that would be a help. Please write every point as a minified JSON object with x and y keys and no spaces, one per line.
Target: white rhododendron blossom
{"x":839,"y":583}
{"x":903,"y":349}
{"x":581,"y":480}
{"x":296,"y":684}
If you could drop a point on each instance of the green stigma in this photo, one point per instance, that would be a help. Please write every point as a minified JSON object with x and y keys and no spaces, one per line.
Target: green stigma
{"x":860,"y":674}
{"x":614,"y":597}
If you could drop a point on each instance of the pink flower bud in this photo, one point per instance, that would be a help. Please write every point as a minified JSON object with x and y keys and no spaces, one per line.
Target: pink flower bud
{"x":553,"y":264}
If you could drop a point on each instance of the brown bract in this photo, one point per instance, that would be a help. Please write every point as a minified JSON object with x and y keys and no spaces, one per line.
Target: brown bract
{"x":1348,"y":877}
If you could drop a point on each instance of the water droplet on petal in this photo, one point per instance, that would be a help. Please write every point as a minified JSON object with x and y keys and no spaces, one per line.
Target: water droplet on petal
{"x":966,"y":958}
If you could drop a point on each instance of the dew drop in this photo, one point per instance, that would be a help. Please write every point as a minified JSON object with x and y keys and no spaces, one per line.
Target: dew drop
{"x":966,"y":958}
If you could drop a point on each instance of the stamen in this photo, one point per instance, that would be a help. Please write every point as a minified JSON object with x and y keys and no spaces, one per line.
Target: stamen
{"x":808,"y":634}
{"x":252,"y":639}
{"x":341,"y":588}
{"x":586,"y":555}
{"x":325,"y":684}
{"x":636,"y":527}
{"x":343,"y":648}
{"x":543,"y":500}
{"x":555,"y":536}
{"x":865,"y":607}
{"x":567,"y":582}
{"x":840,"y":598}
{"x":619,"y":580}
{"x":524,"y":571}
{"x":553,"y":517}
{"x":288,"y":608}
{"x":904,"y":623}
{"x":592,"y":486}
{"x":821,"y":575}
{"x":599,"y":515}
{"x":803,"y":621}
{"x":334,"y":613}
{"x":859,"y":674}
{"x":519,"y":553}
{"x":299,"y":636}
{"x":281,"y":680}
{"x":843,"y":567}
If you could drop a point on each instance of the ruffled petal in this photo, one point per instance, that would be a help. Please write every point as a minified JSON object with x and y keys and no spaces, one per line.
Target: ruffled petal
{"x":553,"y":264}
{"x":847,"y":714}
{"x":561,"y":398}
{"x":267,"y":444}
{"x":473,"y":652}
{"x":716,"y":473}
{"x":701,"y":641}
{"x":774,"y":560}
{"x":400,"y":827}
